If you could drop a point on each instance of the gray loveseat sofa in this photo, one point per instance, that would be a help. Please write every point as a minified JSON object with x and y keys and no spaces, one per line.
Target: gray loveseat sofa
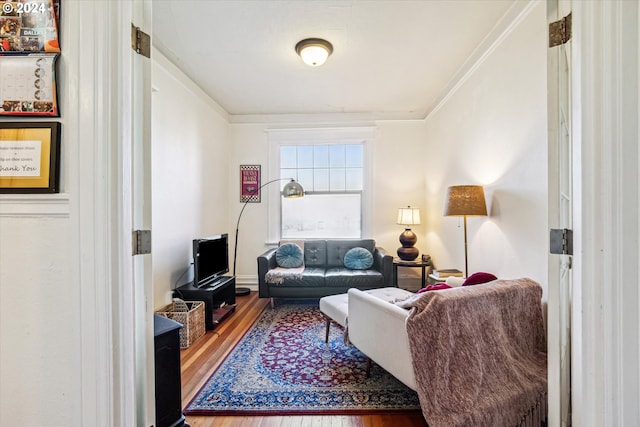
{"x":324,"y":271}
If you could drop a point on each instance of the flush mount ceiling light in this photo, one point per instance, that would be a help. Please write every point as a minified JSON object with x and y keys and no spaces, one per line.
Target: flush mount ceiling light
{"x":314,"y":52}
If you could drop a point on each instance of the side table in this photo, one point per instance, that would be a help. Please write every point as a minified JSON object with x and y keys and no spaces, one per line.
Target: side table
{"x":168,"y":389}
{"x":397,"y":262}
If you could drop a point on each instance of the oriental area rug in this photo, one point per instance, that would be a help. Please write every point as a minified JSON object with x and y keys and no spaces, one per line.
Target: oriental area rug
{"x":282,"y":366}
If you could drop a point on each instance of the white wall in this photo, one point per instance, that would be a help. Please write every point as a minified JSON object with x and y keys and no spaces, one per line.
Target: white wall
{"x":491,"y":131}
{"x":190,"y":146}
{"x":398,"y":181}
{"x":249,"y":145}
{"x":38,"y":323}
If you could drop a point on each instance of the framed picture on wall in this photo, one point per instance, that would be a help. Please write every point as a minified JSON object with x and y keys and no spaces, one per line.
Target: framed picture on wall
{"x":250,"y":183}
{"x":29,"y":157}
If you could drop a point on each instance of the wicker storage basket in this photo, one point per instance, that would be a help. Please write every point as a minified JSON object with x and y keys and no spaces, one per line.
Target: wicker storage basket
{"x":191,"y":315}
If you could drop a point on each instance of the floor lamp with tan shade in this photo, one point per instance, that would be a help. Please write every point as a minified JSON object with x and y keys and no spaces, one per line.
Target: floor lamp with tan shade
{"x":465,"y":200}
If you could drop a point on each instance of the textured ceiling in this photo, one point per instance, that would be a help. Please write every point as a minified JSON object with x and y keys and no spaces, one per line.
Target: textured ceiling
{"x":393,"y":59}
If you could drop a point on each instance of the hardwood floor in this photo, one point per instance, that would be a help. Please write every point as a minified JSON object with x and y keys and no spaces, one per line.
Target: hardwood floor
{"x":203,"y":357}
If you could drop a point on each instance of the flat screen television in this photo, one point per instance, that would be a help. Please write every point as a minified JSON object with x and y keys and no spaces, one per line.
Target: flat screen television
{"x":210,"y":259}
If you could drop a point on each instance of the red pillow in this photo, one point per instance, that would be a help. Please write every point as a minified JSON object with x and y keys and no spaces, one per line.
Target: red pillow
{"x":479,"y":278}
{"x":437,"y":287}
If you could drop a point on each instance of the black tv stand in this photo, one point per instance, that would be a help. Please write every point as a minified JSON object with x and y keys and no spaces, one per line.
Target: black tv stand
{"x":212,"y":284}
{"x":219,"y":299}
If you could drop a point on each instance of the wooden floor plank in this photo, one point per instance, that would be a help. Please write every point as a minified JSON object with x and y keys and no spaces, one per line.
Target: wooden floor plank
{"x":204,"y":356}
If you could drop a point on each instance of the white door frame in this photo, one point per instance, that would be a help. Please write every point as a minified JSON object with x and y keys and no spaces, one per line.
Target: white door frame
{"x":97,"y":66}
{"x":97,"y":73}
{"x":605,"y":339}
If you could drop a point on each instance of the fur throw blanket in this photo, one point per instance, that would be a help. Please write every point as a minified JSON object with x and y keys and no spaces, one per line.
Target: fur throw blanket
{"x":479,"y":354}
{"x":278,"y":274}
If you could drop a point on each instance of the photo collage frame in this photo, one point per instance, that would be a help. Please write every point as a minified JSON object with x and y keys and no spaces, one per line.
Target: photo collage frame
{"x":29,"y":49}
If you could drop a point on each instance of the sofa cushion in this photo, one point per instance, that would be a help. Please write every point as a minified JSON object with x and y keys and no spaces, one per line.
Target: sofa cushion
{"x":343,"y":277}
{"x":358,"y":259}
{"x":289,"y":255}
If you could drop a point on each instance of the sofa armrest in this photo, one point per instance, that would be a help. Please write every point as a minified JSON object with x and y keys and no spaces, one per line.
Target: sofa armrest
{"x":266,"y":262}
{"x":378,"y":329}
{"x":383,"y":262}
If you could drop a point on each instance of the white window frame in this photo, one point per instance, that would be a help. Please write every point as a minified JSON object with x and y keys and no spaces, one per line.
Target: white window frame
{"x":315,"y":136}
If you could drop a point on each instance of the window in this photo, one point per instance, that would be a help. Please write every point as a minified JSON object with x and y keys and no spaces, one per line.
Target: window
{"x":332,"y":177}
{"x":332,"y":165}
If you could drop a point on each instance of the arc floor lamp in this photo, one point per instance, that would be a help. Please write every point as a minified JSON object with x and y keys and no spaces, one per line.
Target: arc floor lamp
{"x":291,"y":190}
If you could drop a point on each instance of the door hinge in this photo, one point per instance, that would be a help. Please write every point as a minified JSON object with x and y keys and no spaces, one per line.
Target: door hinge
{"x":561,"y":241}
{"x":141,"y":242}
{"x":560,"y":31}
{"x":140,"y":41}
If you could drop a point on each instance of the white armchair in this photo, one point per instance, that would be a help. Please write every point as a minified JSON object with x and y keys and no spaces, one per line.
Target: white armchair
{"x":377,"y":328}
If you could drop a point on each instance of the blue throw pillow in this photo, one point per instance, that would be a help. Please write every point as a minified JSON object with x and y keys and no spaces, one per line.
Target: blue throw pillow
{"x":289,"y":255}
{"x":358,"y":259}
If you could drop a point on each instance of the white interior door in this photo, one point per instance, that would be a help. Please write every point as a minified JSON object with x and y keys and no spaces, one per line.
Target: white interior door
{"x":560,"y":217}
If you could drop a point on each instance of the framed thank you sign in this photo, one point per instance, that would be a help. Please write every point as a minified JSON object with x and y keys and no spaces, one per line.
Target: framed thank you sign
{"x":250,"y":183}
{"x":29,"y":157}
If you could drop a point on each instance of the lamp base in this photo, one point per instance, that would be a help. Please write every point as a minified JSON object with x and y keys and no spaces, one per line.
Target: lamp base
{"x":242,"y":291}
{"x":408,"y":252}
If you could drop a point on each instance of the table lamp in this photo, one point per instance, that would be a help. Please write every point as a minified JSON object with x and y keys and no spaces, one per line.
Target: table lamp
{"x":408,"y":216}
{"x":465,"y":200}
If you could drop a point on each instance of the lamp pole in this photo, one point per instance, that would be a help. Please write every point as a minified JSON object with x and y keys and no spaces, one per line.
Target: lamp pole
{"x":466,"y":252}
{"x":244,"y":291}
